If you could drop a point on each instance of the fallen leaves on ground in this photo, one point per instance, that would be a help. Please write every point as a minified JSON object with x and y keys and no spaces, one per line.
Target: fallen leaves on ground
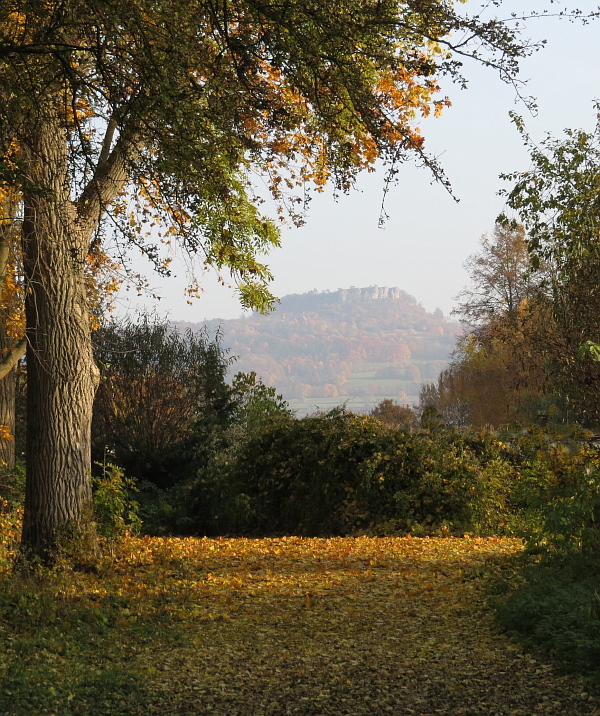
{"x":318,"y":626}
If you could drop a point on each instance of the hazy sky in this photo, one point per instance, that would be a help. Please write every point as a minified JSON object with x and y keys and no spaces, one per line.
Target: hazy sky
{"x":428,"y":236}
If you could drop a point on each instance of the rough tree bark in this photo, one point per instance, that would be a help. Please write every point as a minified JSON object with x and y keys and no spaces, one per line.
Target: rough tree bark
{"x":61,"y":374}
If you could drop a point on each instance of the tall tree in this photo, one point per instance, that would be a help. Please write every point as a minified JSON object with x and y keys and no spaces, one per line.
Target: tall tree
{"x":497,"y":368}
{"x":160,"y":112}
{"x":502,"y":277}
{"x":558,"y":201}
{"x":497,"y":374}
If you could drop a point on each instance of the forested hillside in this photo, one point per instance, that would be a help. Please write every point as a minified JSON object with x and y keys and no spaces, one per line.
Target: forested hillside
{"x":357,"y":344}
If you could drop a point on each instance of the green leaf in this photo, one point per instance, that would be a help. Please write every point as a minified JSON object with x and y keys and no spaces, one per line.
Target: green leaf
{"x":591,"y":349}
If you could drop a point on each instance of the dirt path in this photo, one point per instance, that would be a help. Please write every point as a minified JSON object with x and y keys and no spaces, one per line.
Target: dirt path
{"x":343,"y":626}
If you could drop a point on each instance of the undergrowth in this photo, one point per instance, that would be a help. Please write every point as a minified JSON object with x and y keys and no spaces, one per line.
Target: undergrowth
{"x":553,"y":607}
{"x":551,"y":603}
{"x":63,"y":652}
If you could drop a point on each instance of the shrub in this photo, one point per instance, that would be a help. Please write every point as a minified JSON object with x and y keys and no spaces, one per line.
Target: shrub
{"x":557,"y":610}
{"x":340,"y":473}
{"x":12,"y":485}
{"x":155,"y":383}
{"x":220,"y":432}
{"x":554,"y":606}
{"x":558,"y":490}
{"x":114,"y":510}
{"x":391,"y":413}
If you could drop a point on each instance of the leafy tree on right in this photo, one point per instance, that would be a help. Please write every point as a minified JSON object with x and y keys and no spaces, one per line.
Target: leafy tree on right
{"x":535,"y":299}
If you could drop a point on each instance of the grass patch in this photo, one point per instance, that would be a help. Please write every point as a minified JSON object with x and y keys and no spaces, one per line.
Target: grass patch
{"x":555,"y":609}
{"x":72,"y":643}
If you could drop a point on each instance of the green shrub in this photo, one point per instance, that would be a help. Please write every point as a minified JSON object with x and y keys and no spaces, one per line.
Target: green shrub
{"x":337,"y":473}
{"x":558,"y":490}
{"x":557,"y":610}
{"x":340,"y":473}
{"x":114,"y":510}
{"x":12,"y":485}
{"x":164,"y":512}
{"x":555,"y":605}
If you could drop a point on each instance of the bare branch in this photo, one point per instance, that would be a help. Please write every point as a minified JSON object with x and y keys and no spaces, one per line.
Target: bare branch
{"x":108,"y":140}
{"x":9,"y":49}
{"x":109,"y":178}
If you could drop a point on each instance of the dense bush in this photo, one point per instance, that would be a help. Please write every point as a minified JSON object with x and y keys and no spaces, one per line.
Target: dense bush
{"x":557,"y":610}
{"x":220,"y":431}
{"x":115,"y":512}
{"x":155,"y":382}
{"x":340,"y":473}
{"x":557,"y":490}
{"x":391,"y":413}
{"x":554,"y":605}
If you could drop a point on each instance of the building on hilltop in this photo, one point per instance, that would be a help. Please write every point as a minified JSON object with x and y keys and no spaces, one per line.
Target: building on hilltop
{"x":346,"y":295}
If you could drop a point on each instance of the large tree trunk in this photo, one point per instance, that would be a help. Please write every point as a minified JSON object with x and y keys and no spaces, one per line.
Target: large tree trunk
{"x":61,"y":374}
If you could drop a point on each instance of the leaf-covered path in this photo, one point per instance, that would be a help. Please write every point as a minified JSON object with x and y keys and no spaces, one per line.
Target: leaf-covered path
{"x":340,"y":626}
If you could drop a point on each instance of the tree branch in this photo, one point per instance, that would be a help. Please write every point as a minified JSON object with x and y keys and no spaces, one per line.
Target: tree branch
{"x":108,"y":140}
{"x":5,"y":232}
{"x":12,"y":357}
{"x":112,"y":172}
{"x":7,"y":235}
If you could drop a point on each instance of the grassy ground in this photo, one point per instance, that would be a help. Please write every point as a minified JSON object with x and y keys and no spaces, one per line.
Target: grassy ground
{"x":272,"y":627}
{"x":555,"y":609}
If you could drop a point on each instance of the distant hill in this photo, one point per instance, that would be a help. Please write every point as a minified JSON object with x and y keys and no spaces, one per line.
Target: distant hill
{"x":357,"y":344}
